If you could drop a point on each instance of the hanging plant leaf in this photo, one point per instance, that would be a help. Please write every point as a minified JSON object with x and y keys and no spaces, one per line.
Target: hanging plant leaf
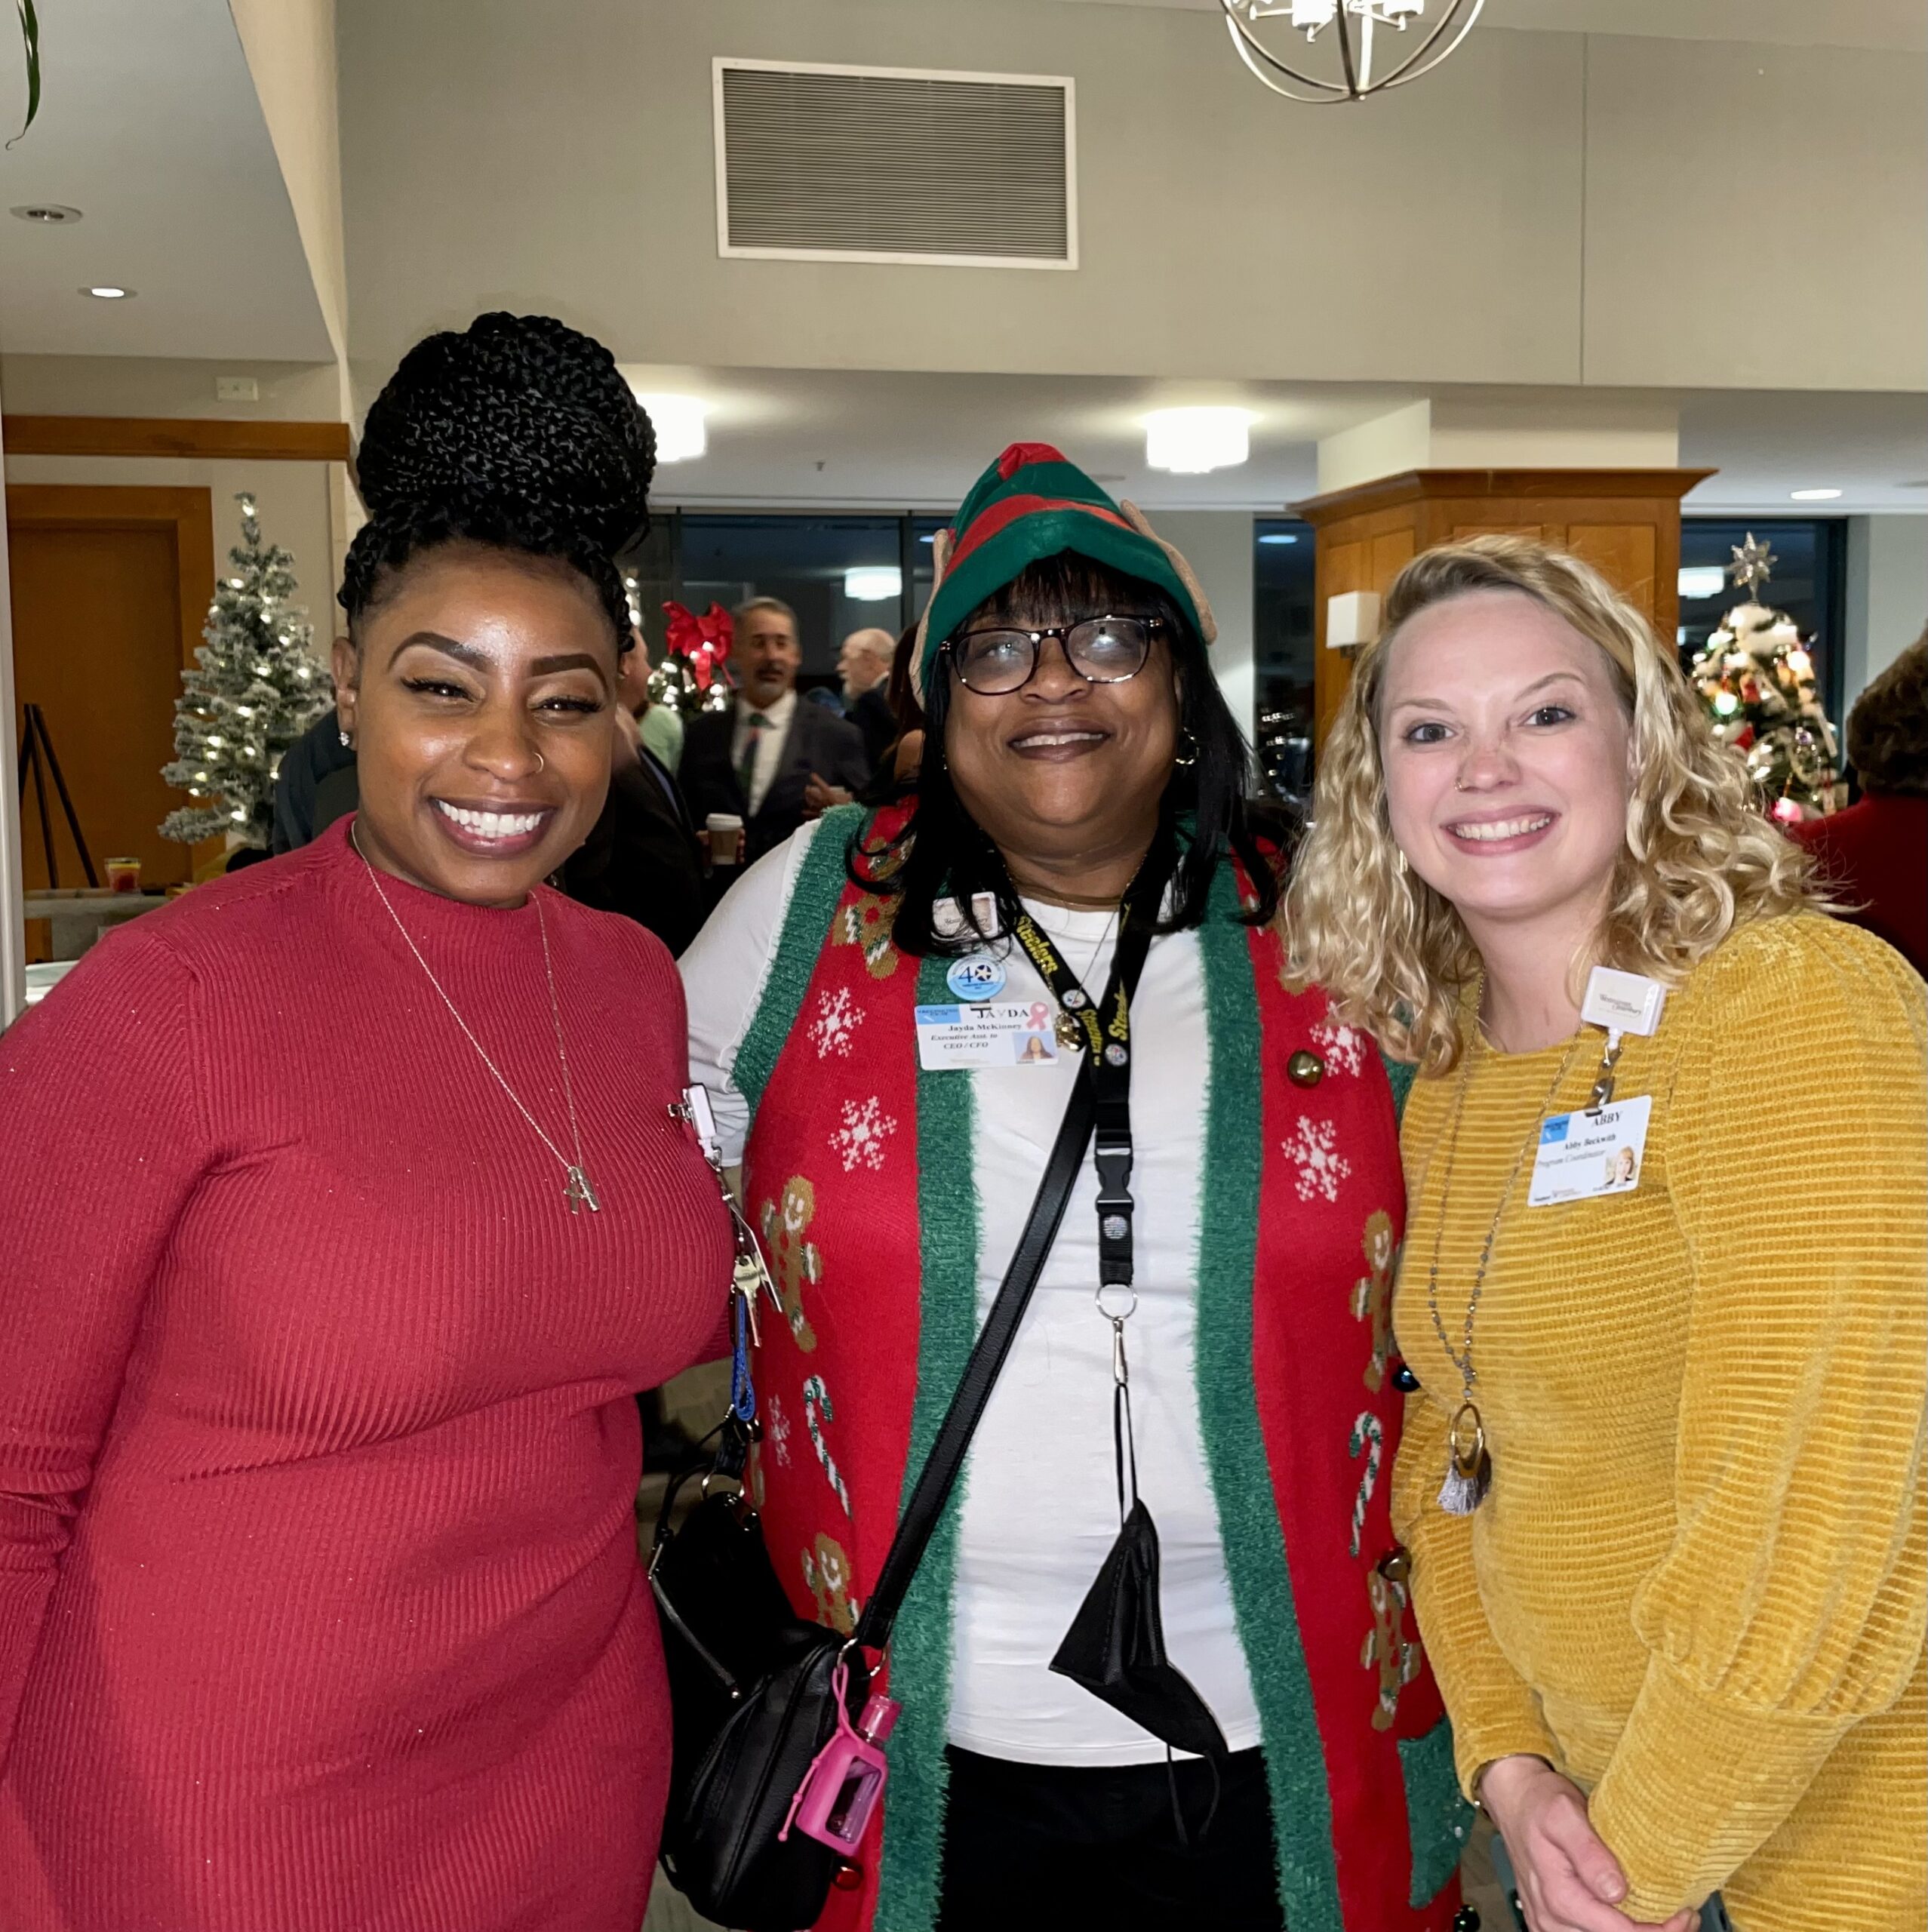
{"x":30,"y":39}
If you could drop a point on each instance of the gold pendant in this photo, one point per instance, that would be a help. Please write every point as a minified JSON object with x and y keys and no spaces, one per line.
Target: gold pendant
{"x":1468,"y":1468}
{"x":1070,"y":1032}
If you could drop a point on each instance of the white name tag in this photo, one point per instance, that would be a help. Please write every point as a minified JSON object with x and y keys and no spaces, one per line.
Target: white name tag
{"x":1001,"y":1035}
{"x":1581,"y":1155}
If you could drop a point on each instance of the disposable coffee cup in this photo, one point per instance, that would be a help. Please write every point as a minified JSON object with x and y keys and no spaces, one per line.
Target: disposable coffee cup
{"x":726,"y":838}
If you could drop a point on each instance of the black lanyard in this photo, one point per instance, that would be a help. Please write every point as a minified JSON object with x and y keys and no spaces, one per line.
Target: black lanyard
{"x":1105,"y":1026}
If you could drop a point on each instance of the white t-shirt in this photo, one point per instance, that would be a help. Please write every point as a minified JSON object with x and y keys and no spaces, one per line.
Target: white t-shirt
{"x":1039,"y":1508}
{"x":769,"y":744}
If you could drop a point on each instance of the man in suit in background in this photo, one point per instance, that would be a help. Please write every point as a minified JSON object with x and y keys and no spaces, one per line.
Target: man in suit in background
{"x":864,"y":666}
{"x":755,"y":759}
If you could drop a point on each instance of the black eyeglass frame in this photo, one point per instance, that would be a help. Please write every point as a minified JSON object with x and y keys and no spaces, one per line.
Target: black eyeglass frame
{"x":1063,"y":633}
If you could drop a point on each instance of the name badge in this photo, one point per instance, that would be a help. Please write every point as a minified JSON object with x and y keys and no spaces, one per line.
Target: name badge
{"x":1582,"y":1155}
{"x":949,"y":1037}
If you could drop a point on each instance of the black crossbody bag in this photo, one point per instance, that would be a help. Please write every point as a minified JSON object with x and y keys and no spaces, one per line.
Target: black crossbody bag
{"x":753,"y":1686}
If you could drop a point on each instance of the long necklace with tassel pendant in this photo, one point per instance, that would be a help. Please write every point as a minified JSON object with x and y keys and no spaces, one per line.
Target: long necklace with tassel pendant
{"x":1468,"y":1468}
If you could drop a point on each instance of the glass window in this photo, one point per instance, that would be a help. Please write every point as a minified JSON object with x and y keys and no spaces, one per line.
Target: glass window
{"x":1282,"y":607}
{"x":1809,"y":582}
{"x":839,"y":574}
{"x":923,"y":534}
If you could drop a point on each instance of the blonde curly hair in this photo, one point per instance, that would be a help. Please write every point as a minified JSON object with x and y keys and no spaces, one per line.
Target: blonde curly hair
{"x":1699,"y":859}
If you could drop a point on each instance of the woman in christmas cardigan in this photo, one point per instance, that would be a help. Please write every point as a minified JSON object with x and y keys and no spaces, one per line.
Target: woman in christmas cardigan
{"x":1268,"y":1203}
{"x":1680,"y":1635}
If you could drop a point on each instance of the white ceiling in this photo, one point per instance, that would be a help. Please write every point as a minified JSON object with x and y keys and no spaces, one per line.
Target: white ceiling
{"x":892,"y":440}
{"x":150,"y":125}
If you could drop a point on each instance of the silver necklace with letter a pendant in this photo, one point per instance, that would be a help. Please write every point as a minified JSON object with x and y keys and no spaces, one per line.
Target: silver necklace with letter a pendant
{"x":577,"y":1190}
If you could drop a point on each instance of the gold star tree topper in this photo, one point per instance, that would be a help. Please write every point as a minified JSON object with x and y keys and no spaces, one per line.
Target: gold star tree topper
{"x":1753,"y":565}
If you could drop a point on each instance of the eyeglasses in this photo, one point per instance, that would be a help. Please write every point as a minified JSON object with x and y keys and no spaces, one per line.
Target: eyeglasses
{"x":1101,"y":650}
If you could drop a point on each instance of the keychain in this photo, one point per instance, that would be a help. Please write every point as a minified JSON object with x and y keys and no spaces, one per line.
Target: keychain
{"x":750,"y":1272}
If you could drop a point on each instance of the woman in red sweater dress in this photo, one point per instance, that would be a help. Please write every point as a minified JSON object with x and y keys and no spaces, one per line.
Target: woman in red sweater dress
{"x":343,"y":1215}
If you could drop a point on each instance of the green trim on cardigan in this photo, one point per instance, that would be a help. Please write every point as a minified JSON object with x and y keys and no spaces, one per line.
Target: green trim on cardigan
{"x":921,"y":1647}
{"x":1437,"y":1817}
{"x":821,"y":877}
{"x":1249,"y":1525}
{"x":1399,"y":1076}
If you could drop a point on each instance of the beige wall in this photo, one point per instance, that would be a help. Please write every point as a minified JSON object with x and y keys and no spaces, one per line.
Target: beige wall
{"x":1887,"y":599}
{"x":1548,"y":208}
{"x":290,"y":49}
{"x":1218,"y":545}
{"x":304,"y":506}
{"x":1755,"y":216}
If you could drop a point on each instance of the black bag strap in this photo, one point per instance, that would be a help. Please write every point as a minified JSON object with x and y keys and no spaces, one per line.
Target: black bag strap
{"x":939,"y":1474}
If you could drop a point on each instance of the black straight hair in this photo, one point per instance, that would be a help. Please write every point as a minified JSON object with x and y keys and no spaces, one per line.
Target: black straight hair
{"x":1210,"y":807}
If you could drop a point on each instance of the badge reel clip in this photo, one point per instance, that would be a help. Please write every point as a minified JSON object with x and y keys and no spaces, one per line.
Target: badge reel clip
{"x":750,"y":1272}
{"x":841,"y":1790}
{"x":1623,"y":1003}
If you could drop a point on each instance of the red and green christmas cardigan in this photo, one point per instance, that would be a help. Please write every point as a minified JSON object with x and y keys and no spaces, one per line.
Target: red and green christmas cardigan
{"x":858,"y":1170}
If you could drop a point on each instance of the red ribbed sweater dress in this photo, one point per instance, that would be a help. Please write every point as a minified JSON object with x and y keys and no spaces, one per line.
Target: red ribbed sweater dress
{"x":320,"y":1607}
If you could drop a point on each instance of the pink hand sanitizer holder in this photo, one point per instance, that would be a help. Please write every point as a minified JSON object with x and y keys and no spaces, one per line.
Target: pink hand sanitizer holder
{"x":841,"y":1790}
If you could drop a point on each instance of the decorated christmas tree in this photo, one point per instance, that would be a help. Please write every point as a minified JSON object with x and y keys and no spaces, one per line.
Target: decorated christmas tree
{"x":1757,"y":679}
{"x":254,"y":689}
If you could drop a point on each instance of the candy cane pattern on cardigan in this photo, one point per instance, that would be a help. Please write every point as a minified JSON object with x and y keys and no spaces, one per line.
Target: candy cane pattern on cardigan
{"x":1369,"y":1434}
{"x":817,"y":1411}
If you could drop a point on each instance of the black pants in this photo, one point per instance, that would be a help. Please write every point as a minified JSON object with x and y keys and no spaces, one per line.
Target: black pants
{"x":1030,"y":1846}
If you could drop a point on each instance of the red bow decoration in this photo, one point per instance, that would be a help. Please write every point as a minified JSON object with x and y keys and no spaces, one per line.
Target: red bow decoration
{"x":705,"y":641}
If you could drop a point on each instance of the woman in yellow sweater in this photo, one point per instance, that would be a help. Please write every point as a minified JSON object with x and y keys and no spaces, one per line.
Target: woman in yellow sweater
{"x":1662,"y":1473}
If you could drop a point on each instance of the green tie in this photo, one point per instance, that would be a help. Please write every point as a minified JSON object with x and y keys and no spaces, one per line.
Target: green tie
{"x":747,"y":766}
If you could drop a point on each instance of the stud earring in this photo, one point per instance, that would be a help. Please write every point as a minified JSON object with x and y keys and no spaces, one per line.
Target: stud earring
{"x":348,"y":743}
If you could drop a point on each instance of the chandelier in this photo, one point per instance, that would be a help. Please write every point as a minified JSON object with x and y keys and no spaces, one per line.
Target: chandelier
{"x":1368,"y":44}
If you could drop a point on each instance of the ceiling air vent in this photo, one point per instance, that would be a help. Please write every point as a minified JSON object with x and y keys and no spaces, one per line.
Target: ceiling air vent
{"x":894,"y":164}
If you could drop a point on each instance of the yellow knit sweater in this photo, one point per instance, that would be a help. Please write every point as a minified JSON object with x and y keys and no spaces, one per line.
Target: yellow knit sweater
{"x":1698,"y":1586}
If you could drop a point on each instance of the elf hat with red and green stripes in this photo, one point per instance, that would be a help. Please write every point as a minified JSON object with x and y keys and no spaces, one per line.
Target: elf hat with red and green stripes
{"x":1029,"y":505}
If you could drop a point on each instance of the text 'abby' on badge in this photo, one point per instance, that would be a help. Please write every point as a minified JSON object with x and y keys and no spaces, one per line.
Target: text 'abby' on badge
{"x":1582,"y":1155}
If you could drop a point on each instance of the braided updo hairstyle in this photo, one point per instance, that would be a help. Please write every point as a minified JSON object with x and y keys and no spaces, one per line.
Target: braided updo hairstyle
{"x":518,"y":433}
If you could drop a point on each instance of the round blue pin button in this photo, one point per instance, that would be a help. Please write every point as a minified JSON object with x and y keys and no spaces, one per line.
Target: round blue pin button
{"x":978,"y":978}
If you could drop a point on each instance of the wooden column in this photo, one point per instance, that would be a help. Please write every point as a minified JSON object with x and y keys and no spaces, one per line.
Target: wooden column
{"x":1626,"y":523}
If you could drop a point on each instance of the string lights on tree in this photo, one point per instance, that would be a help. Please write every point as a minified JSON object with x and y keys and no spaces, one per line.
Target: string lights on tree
{"x":254,"y":687}
{"x":1755,"y":674}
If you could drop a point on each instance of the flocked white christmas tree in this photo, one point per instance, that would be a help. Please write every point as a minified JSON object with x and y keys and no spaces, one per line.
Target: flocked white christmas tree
{"x":255,"y":687}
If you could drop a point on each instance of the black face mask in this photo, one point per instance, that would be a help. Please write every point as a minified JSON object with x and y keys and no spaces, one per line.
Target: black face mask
{"x":1115,"y":1647}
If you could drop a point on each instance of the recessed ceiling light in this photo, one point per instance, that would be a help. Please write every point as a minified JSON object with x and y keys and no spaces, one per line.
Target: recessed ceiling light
{"x":873,"y":583}
{"x":106,"y":291}
{"x":1190,"y":441}
{"x":1813,"y":496}
{"x":681,"y":433}
{"x":1279,"y":537}
{"x":48,"y":214}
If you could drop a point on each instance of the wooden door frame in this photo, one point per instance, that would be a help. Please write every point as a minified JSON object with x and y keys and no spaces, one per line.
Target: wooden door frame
{"x":185,"y":512}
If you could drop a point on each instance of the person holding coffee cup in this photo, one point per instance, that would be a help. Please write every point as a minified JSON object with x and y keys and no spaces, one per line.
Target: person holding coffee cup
{"x":753,"y":763}
{"x":723,"y":832}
